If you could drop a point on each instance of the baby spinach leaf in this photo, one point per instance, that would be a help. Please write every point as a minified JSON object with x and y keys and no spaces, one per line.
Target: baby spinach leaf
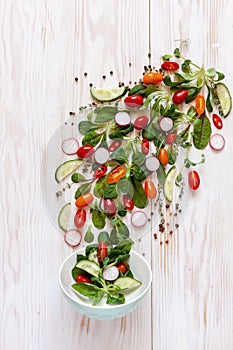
{"x":92,"y":138}
{"x":110,"y":191}
{"x":76,"y":178}
{"x":89,"y":236}
{"x":119,"y":232}
{"x":115,"y":298}
{"x":201,"y":132}
{"x":137,"y":90}
{"x":98,"y":218}
{"x":86,"y":126}
{"x":139,"y":196}
{"x":192,"y":93}
{"x":105,"y":113}
{"x":125,"y":186}
{"x":119,"y":155}
{"x":100,"y":186}
{"x":161,"y":175}
{"x":90,"y":248}
{"x":209,"y":101}
{"x":104,"y":237}
{"x":87,"y":289}
{"x":99,"y":297}
{"x":138,"y":158}
{"x":85,"y":188}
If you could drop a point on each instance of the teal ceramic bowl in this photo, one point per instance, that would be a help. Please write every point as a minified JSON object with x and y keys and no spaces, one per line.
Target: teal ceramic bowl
{"x":103,"y":311}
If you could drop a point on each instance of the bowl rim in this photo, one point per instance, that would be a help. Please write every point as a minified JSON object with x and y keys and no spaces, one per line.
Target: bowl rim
{"x":105,"y":307}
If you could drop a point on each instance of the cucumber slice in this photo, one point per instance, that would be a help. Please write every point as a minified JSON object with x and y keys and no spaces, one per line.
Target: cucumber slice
{"x":168,"y":184}
{"x":108,"y":94}
{"x":65,"y":169}
{"x":63,"y":216}
{"x":224,"y":98}
{"x":93,"y":257}
{"x":127,"y":283}
{"x":89,"y":266}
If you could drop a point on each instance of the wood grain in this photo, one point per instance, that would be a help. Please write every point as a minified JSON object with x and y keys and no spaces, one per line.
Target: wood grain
{"x":44,"y":46}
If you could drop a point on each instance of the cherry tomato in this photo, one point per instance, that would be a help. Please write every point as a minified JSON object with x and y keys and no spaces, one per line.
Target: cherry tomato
{"x":167,"y":65}
{"x":80,"y":218}
{"x":152,"y":78}
{"x":81,"y":278}
{"x":200,"y":104}
{"x":128,"y":202}
{"x":163,"y":156}
{"x":109,"y":206}
{"x":180,"y":96}
{"x":217,"y":121}
{"x":102,"y":251}
{"x":116,"y":174}
{"x":145,"y":146}
{"x":171,"y":138}
{"x":150,"y":189}
{"x":84,"y":200}
{"x":122,"y":267}
{"x":100,"y":171}
{"x":85,"y":151}
{"x":133,"y":101}
{"x":141,"y":122}
{"x":193,"y":180}
{"x":114,"y":145}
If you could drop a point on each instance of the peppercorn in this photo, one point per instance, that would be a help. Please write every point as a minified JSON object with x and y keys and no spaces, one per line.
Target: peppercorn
{"x":76,"y":79}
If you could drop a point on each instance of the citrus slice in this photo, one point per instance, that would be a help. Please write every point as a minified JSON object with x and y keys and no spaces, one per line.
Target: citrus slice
{"x":108,"y":94}
{"x":224,"y":98}
{"x":169,"y":183}
{"x":63,"y":217}
{"x":65,"y":169}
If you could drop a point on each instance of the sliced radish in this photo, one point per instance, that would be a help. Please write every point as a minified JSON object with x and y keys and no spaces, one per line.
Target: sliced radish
{"x":122,"y":119}
{"x":73,"y":237}
{"x":166,"y":124}
{"x":69,"y":146}
{"x":152,"y":163}
{"x":101,"y":155}
{"x":138,"y":218}
{"x":217,"y":142}
{"x":110,"y":273}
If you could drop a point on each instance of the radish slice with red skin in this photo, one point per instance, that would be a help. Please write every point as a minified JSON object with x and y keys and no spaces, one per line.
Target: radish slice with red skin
{"x":152,"y":163}
{"x":73,"y":237}
{"x":122,"y":119}
{"x":110,"y":273}
{"x":166,"y":124}
{"x":70,"y":146}
{"x":101,"y":155}
{"x":217,"y":142}
{"x":138,"y":218}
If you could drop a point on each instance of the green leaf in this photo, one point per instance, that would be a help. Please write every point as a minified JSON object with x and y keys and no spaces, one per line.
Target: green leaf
{"x":220,"y":75}
{"x":76,"y":178}
{"x":119,"y":155}
{"x":85,"y":188}
{"x":110,"y":191}
{"x":138,"y":158}
{"x":87,"y":289}
{"x":92,"y":138}
{"x":99,"y":297}
{"x":104,"y":237}
{"x":119,"y":232}
{"x":125,"y":186}
{"x":192,"y":93}
{"x":211,"y":72}
{"x":192,"y":112}
{"x":85,"y":127}
{"x":177,"y":52}
{"x":209,"y":101}
{"x":186,"y":66}
{"x":139,"y":196}
{"x":167,"y":80}
{"x":166,"y":57}
{"x":172,"y":154}
{"x":137,"y":90}
{"x":201,"y":132}
{"x":98,"y":218}
{"x":115,"y":298}
{"x":89,"y":236}
{"x":105,"y":113}
{"x":100,"y":186}
{"x":161,"y":175}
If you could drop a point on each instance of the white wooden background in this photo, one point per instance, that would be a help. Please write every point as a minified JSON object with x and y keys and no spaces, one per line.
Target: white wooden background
{"x":44,"y":44}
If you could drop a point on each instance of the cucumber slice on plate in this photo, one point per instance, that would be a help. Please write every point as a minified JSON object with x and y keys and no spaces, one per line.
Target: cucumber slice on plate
{"x":65,"y":169}
{"x":63,"y":216}
{"x":108,"y":94}
{"x":89,"y":266}
{"x":169,"y":183}
{"x":224,"y":98}
{"x":127,"y":283}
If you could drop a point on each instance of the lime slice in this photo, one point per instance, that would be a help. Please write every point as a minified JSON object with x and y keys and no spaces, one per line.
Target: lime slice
{"x":224,"y":97}
{"x":63,"y":216}
{"x":126,"y":283}
{"x":108,"y":94}
{"x":89,"y":266}
{"x":168,"y":184}
{"x":65,"y":169}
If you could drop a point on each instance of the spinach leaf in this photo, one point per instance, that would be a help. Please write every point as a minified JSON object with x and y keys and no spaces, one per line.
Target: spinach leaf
{"x":161,"y":175}
{"x":209,"y":101}
{"x":105,"y":113}
{"x":99,"y":297}
{"x":140,"y":173}
{"x":88,"y":290}
{"x":110,"y":191}
{"x":89,"y":236}
{"x":90,"y":248}
{"x":119,"y":232}
{"x":92,"y":138}
{"x":115,"y":298}
{"x":138,"y":158}
{"x":172,"y":154}
{"x":192,"y":93}
{"x":100,"y":186}
{"x":125,"y":186}
{"x":85,"y":188}
{"x":85,"y":127}
{"x":98,"y":218}
{"x":139,"y":196}
{"x":76,"y":178}
{"x":137,"y":90}
{"x":104,"y":237}
{"x":119,"y":155}
{"x":201,"y":132}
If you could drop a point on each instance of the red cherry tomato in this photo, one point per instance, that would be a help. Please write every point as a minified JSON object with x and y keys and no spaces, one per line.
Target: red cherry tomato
{"x":122,"y":267}
{"x":114,"y":145}
{"x":217,"y":121}
{"x":180,"y":96}
{"x":85,"y":151}
{"x":128,"y":202}
{"x":133,"y":101}
{"x":84,"y":200}
{"x":145,"y":146}
{"x":200,"y":104}
{"x":81,"y":278}
{"x":171,"y":138}
{"x":150,"y":189}
{"x":116,"y":174}
{"x":80,"y":218}
{"x":193,"y":180}
{"x":167,"y":65}
{"x":102,"y":251}
{"x":163,"y":156}
{"x":152,"y":78}
{"x":109,"y":206}
{"x":141,"y":122}
{"x":100,"y":171}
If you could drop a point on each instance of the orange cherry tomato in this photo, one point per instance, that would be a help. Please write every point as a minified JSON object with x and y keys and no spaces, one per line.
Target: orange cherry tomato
{"x":116,"y":174}
{"x":84,"y":200}
{"x":200,"y":104}
{"x":150,"y":189}
{"x":152,"y":78}
{"x":163,"y":156}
